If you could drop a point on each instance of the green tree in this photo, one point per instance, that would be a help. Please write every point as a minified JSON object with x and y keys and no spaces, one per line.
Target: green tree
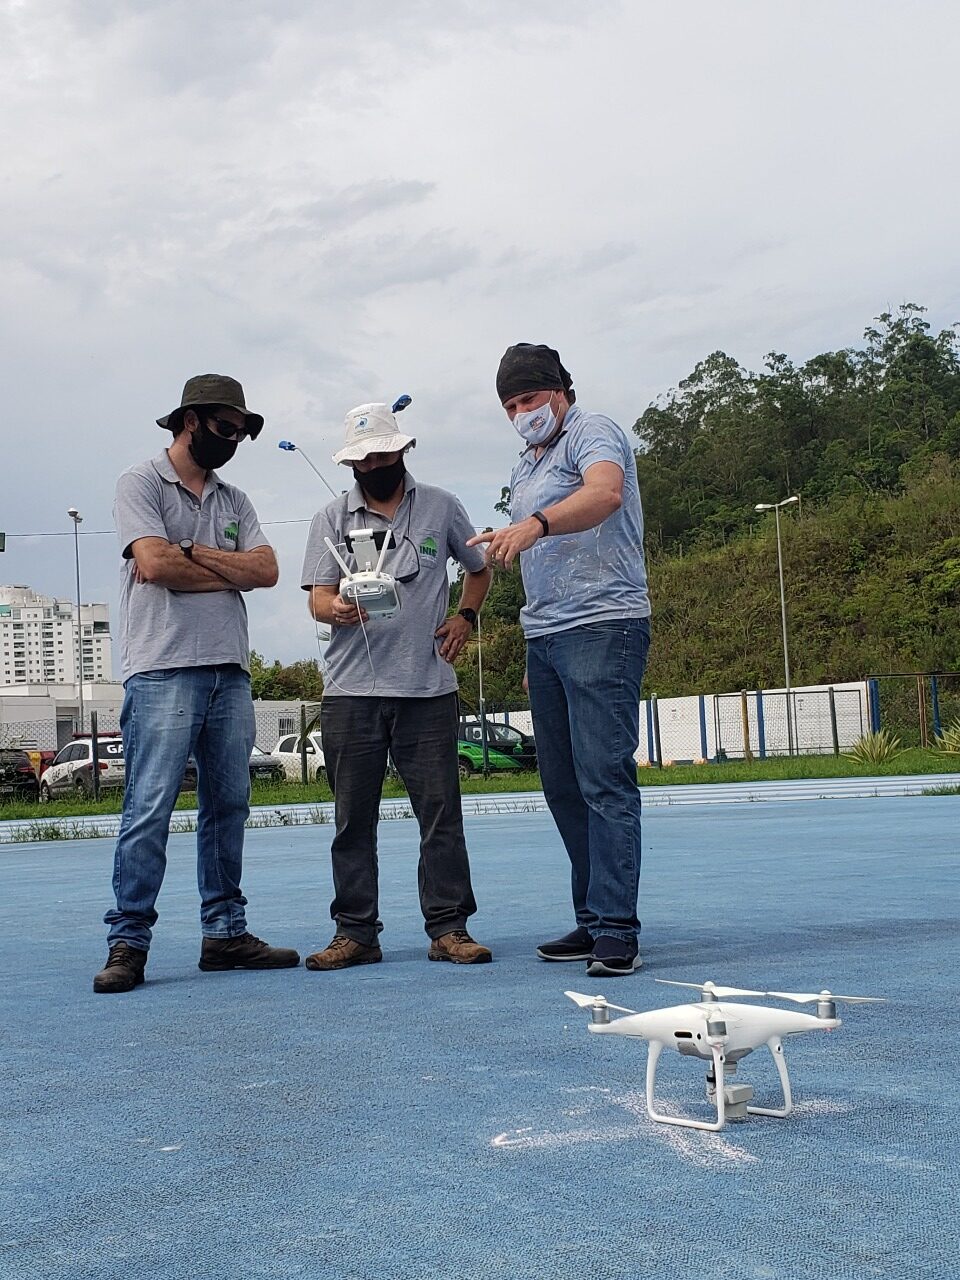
{"x":504,"y":664}
{"x":301,"y":680}
{"x":844,"y":422}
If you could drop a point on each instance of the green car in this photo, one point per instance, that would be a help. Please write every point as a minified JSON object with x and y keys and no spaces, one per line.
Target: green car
{"x":470,"y":759}
{"x":503,"y":741}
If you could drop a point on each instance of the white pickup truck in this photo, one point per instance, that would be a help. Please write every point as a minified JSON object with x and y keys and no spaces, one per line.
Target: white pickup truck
{"x":287,"y":751}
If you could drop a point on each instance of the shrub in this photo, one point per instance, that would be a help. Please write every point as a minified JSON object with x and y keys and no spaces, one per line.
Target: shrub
{"x":875,"y":748}
{"x":948,"y":739}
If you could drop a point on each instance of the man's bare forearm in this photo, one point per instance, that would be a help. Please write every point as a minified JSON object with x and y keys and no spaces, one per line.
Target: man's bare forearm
{"x":475,"y":588}
{"x":169,"y":567}
{"x":243,"y":570}
{"x":583,"y":509}
{"x":320,"y":603}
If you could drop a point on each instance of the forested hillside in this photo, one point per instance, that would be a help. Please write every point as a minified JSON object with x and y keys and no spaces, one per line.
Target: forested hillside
{"x":872,"y":584}
{"x":845,"y":422}
{"x":869,"y":438}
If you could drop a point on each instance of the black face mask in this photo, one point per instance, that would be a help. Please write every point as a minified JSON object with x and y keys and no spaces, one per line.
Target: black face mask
{"x":381,"y":483}
{"x":208,"y":450}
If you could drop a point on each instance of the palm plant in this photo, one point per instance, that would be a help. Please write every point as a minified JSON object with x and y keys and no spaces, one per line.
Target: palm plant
{"x":948,"y":739}
{"x":875,"y":748}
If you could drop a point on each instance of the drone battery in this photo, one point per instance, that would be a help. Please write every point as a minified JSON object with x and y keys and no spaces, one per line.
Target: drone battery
{"x":735,"y":1098}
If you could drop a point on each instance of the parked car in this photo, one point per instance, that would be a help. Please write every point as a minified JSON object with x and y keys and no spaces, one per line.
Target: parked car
{"x":287,"y":752}
{"x":470,"y":759}
{"x":503,"y":738}
{"x":264,"y":767}
{"x":72,"y":770}
{"x":18,"y":781}
{"x":41,"y":760}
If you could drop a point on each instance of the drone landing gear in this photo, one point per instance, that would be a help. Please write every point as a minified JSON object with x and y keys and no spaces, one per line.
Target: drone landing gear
{"x":775,"y":1045}
{"x":731,"y":1101}
{"x":653,"y":1055}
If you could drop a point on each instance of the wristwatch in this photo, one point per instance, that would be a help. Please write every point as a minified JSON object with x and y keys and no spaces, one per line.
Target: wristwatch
{"x":538,"y":515}
{"x":470,"y":615}
{"x":186,"y":546}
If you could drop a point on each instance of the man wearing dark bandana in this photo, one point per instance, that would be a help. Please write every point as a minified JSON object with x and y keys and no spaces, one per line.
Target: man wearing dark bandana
{"x":578,"y":531}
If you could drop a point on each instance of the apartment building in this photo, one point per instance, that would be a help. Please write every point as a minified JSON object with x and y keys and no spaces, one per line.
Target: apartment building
{"x":38,"y":639}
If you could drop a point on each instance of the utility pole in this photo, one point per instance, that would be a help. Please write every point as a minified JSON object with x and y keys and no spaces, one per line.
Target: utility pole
{"x":77,"y":519}
{"x":775,"y":508}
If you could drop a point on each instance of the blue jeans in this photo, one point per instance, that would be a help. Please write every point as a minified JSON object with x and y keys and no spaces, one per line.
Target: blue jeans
{"x":585,"y":698}
{"x":167,"y":717}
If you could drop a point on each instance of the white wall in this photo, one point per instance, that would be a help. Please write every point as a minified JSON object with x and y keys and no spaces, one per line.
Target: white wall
{"x":680,"y":730}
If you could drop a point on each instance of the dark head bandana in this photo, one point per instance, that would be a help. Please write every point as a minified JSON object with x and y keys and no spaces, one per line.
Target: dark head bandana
{"x":526,"y":367}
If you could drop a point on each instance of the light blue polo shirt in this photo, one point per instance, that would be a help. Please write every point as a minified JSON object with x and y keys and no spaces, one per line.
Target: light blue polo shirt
{"x":574,"y":578}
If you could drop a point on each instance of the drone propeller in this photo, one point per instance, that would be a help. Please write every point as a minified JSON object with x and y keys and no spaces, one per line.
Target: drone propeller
{"x":595,"y":1002}
{"x":708,"y":987}
{"x":806,"y":997}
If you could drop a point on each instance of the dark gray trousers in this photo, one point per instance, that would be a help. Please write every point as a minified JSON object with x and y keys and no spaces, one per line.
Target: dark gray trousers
{"x":421,"y":736}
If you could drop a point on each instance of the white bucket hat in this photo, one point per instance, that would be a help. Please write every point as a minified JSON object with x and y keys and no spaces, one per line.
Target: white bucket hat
{"x":371,"y":428}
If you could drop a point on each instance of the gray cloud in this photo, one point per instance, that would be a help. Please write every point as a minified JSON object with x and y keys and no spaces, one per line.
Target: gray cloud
{"x":338,"y":203}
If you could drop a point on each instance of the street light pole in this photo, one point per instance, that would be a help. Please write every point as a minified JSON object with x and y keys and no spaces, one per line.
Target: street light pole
{"x":77,"y":519}
{"x":775,"y":508}
{"x":483,"y":711}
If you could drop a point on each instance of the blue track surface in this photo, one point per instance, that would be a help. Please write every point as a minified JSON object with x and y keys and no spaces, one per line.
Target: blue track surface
{"x":424,"y":1120}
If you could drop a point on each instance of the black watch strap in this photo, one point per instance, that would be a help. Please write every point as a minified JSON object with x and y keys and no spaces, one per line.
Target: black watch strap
{"x":538,"y":515}
{"x":470,"y":615}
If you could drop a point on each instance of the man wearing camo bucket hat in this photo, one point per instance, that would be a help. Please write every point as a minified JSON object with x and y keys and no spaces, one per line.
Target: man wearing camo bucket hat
{"x":191,"y":546}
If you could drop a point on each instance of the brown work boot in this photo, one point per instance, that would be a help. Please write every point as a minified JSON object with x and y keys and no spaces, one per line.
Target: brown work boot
{"x":342,"y":952}
{"x":123,"y":970}
{"x":460,"y":948}
{"x":244,"y":952}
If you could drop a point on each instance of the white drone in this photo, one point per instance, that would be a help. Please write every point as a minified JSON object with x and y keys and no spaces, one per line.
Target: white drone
{"x":721,"y":1034}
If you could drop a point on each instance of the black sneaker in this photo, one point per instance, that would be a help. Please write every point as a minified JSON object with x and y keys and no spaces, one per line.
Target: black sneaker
{"x":244,"y":952}
{"x":613,"y":957}
{"x":123,"y":970}
{"x":577,"y":945}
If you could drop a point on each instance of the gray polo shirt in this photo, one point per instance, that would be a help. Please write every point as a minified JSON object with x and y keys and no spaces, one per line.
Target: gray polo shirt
{"x":430,"y":528}
{"x":160,"y":628}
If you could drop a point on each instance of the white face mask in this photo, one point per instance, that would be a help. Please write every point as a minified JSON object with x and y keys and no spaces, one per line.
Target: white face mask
{"x":536,"y":425}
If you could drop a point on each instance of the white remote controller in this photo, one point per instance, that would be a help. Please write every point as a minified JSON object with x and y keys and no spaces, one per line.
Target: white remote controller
{"x":367,"y":587}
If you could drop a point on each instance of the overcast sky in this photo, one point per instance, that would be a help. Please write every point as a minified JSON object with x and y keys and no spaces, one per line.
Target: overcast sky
{"x":338,"y":202}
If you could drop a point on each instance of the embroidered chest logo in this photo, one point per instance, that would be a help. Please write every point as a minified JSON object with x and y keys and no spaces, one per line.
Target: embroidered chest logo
{"x":428,"y":547}
{"x":232,"y":531}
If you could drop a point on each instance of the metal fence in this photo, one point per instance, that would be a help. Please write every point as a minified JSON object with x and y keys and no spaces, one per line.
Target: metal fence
{"x":817,"y":719}
{"x":40,"y":735}
{"x":915,"y":707}
{"x":802,"y":722}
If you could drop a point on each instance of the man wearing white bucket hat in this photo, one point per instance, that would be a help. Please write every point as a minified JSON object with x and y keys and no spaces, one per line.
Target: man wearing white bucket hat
{"x":390,"y":688}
